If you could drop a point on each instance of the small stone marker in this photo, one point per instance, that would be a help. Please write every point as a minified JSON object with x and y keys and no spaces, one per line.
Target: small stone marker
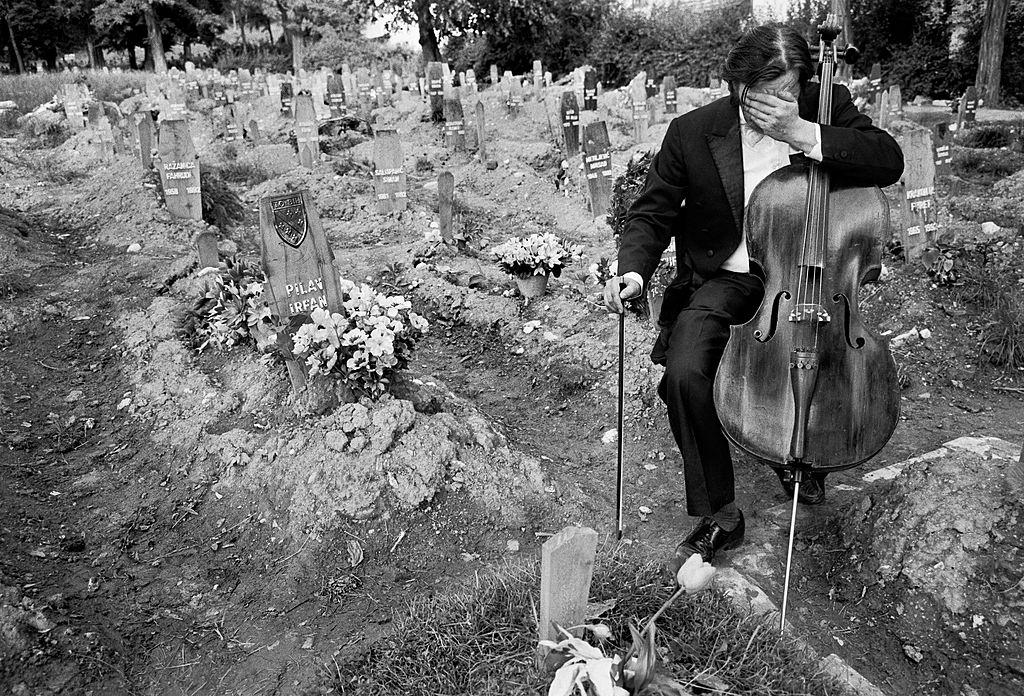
{"x":590,"y":91}
{"x":668,"y":86}
{"x":306,"y":137}
{"x":571,"y":124}
{"x":147,"y":136}
{"x":638,"y":99}
{"x":389,"y":178}
{"x":943,"y":139}
{"x":919,"y":187}
{"x":299,"y":265}
{"x":287,"y":98}
{"x":435,"y":90}
{"x":445,"y":204}
{"x":454,"y":124}
{"x":179,"y":171}
{"x":597,"y":165}
{"x":566,"y":569}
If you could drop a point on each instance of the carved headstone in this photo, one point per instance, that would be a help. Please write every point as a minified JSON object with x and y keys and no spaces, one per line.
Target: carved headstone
{"x":597,"y":166}
{"x":389,"y":179}
{"x":306,"y":136}
{"x":179,"y":171}
{"x":299,"y":265}
{"x":566,"y":570}
{"x":668,"y":86}
{"x":590,"y":91}
{"x":454,"y":124}
{"x":570,"y":124}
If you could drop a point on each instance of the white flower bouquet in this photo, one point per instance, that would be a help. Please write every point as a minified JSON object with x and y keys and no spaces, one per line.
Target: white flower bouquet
{"x":365,"y":343}
{"x":538,"y":254}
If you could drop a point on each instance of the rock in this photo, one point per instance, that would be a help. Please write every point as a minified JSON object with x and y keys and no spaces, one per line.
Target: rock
{"x":905,"y":338}
{"x":990,"y":228}
{"x":512,"y":545}
{"x":74,"y":396}
{"x":925,"y":334}
{"x":358,"y":443}
{"x":336,"y":440}
{"x":134,"y":248}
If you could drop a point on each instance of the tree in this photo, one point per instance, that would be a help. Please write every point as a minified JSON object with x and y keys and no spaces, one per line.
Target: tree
{"x":990,"y":55}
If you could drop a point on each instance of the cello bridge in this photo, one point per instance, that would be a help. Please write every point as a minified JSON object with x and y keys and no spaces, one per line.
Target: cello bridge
{"x":810,"y":312}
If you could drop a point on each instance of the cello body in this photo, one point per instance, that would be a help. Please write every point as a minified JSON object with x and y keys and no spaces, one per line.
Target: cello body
{"x":804,"y":383}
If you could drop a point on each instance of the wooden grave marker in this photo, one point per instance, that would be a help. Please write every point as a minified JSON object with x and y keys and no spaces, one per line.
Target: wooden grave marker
{"x":481,"y":137}
{"x":252,"y":132}
{"x":494,"y":75}
{"x":336,"y":95}
{"x":287,"y":98}
{"x":471,"y":81}
{"x":970,"y":105}
{"x":454,"y":124}
{"x":206,"y":247}
{"x":514,"y":100}
{"x":446,"y":204}
{"x":638,"y":99}
{"x":538,"y":79}
{"x":179,"y":171}
{"x":597,"y":166}
{"x":875,"y":83}
{"x":101,"y":133}
{"x":74,"y":98}
{"x":435,"y":90}
{"x":566,"y":570}
{"x":299,"y":265}
{"x":896,"y":102}
{"x":590,"y":91}
{"x":668,"y":87}
{"x":231,"y":133}
{"x":306,"y":135}
{"x":147,"y":138}
{"x":389,"y":178}
{"x":884,"y":115}
{"x":570,"y":124}
{"x":943,"y":139}
{"x":918,"y":183}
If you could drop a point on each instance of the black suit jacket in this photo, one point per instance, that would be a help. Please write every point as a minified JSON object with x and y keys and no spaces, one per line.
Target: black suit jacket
{"x":694,"y":188}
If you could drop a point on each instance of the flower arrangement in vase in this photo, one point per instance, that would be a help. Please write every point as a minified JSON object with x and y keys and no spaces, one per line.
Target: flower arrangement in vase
{"x":532,"y":260}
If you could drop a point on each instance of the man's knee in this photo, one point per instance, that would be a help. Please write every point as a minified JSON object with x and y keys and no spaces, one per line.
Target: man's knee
{"x":686,"y":375}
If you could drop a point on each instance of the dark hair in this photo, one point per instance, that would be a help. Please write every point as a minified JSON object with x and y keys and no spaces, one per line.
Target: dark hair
{"x":764,"y":53}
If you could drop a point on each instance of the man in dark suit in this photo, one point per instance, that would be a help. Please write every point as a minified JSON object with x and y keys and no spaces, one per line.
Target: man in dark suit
{"x":696,"y":191}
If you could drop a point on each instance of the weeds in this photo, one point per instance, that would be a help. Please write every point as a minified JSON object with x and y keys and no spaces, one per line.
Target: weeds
{"x":985,"y":136}
{"x":30,"y":90}
{"x":986,"y":166}
{"x":482,"y":640}
{"x":246,"y":173}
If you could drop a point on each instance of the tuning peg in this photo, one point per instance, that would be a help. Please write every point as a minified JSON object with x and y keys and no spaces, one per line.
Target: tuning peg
{"x":851,"y":54}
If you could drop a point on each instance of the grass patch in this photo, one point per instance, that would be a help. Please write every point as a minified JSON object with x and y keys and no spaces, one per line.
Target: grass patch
{"x":984,"y":136}
{"x":481,"y":640}
{"x":246,"y":173}
{"x":991,"y":278}
{"x":986,"y":166}
{"x":32,"y":89}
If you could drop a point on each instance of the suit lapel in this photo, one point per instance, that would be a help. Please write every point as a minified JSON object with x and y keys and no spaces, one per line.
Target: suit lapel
{"x":727,"y":151}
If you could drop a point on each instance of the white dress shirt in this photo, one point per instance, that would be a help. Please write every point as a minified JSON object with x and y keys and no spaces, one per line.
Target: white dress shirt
{"x":762,"y":155}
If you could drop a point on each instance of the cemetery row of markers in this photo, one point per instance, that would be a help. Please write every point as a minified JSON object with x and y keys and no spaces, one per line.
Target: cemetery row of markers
{"x":292,"y":234}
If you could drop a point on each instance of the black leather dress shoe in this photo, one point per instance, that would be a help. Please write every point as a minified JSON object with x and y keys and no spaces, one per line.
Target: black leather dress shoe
{"x":812,"y":488}
{"x":707,"y":538}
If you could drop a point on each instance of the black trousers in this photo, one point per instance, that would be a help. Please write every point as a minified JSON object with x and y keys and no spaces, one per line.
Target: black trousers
{"x":690,"y":347}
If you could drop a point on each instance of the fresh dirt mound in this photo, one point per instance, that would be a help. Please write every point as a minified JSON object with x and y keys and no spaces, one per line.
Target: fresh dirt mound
{"x":364,"y":460}
{"x":14,"y":230}
{"x":944,"y":542}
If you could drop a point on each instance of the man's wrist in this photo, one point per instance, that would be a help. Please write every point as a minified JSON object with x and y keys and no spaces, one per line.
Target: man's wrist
{"x":805,"y":136}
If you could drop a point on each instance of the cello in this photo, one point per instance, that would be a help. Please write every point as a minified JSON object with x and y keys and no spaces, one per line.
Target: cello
{"x":804,"y":385}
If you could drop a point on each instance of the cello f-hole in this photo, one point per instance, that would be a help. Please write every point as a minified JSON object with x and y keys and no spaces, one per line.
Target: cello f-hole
{"x":759,"y":334}
{"x":842,"y":299}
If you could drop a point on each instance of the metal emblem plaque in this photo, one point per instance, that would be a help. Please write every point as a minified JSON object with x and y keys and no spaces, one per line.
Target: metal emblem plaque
{"x":290,"y":219}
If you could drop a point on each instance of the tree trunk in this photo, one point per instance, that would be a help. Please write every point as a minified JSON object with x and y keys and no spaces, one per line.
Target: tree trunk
{"x":428,"y":37}
{"x":91,"y":50}
{"x":14,"y":45}
{"x":156,"y":41}
{"x":241,"y":28}
{"x":841,"y":8}
{"x":133,"y":62}
{"x":296,"y":51}
{"x":990,"y":57}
